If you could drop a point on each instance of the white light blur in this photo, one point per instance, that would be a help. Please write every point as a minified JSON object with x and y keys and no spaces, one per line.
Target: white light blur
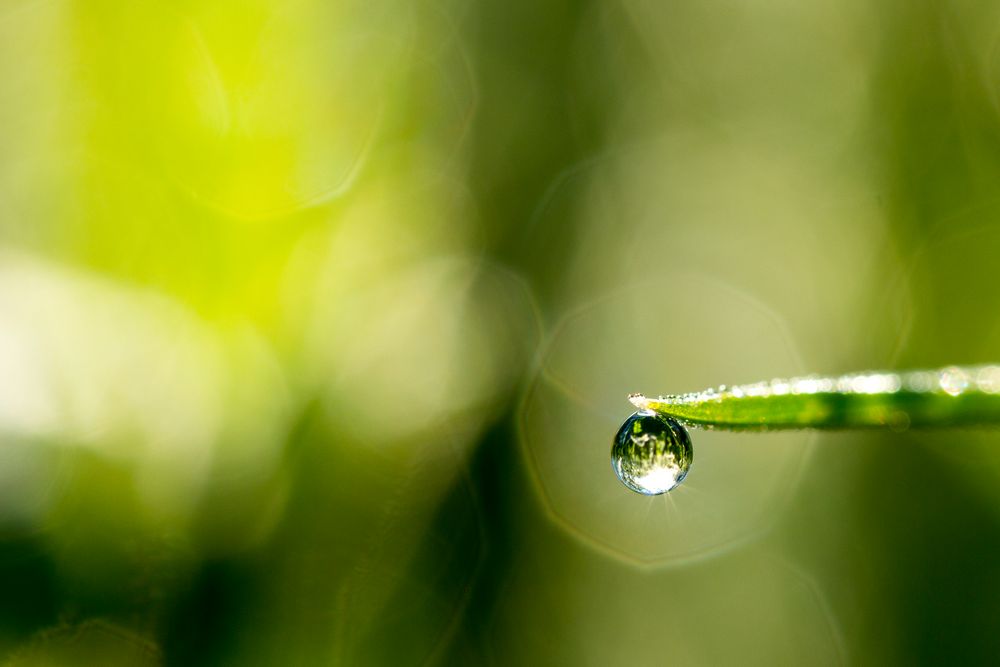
{"x":876,"y":383}
{"x":988,"y":379}
{"x":134,"y":377}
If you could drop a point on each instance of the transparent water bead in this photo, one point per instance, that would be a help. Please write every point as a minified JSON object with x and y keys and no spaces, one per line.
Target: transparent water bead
{"x":651,"y":454}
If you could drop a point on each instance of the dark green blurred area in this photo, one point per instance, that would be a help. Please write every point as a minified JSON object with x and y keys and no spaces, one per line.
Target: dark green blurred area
{"x":317,"y":320}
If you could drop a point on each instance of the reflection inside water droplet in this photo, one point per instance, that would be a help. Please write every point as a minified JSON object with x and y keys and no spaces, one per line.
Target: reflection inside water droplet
{"x":651,"y":454}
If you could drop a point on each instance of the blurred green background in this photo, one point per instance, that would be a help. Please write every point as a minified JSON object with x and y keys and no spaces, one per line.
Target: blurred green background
{"x":317,"y":319}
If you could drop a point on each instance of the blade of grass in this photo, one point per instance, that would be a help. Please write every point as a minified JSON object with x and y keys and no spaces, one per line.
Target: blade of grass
{"x":952,"y":396}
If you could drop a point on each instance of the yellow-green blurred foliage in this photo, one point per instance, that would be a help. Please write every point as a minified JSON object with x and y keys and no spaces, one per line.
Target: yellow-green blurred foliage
{"x":317,"y":318}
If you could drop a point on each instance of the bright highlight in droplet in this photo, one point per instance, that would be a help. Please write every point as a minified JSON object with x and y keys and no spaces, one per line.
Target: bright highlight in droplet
{"x":651,"y":454}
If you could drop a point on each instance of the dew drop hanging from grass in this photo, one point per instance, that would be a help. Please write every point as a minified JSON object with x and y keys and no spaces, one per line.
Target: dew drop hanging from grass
{"x":651,"y":454}
{"x":652,"y":451}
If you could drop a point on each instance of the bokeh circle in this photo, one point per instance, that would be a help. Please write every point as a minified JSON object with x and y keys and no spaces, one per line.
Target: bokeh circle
{"x":685,"y":334}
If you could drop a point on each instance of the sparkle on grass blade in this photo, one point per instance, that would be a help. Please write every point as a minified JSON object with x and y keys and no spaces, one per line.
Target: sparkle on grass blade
{"x":952,"y":396}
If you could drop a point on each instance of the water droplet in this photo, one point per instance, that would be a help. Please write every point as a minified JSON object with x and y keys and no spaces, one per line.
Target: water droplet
{"x":954,"y":380}
{"x":651,"y":454}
